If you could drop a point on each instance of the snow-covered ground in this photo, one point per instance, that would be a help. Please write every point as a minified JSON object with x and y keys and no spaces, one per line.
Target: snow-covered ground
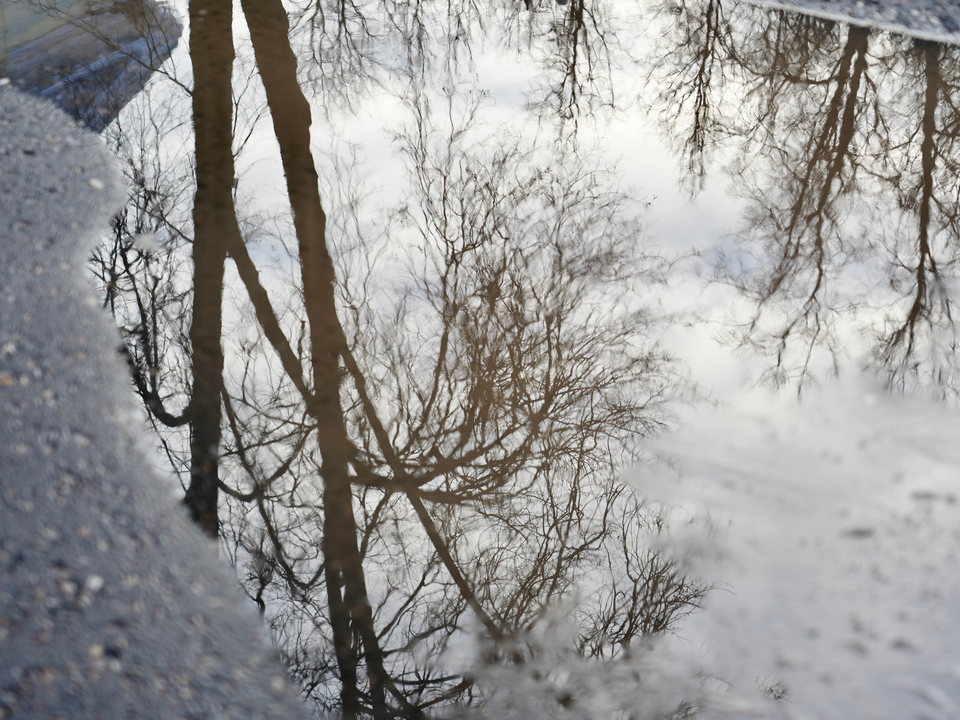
{"x":835,"y":547}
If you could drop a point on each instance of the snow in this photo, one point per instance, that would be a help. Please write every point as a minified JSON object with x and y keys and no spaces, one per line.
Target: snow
{"x":834,"y":543}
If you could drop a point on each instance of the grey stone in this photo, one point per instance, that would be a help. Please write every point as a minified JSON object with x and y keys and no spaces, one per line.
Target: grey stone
{"x":112,"y":605}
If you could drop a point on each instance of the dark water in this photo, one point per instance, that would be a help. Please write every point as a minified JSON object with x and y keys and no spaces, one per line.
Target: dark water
{"x":397,"y":283}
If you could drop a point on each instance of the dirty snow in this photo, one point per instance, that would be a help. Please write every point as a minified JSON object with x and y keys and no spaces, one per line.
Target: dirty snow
{"x":831,"y":527}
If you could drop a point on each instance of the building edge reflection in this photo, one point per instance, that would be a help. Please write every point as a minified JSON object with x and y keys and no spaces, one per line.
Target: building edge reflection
{"x":921,"y":19}
{"x":93,"y":65}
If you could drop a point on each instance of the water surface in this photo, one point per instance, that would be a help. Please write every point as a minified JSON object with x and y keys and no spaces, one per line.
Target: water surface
{"x":405,"y":286}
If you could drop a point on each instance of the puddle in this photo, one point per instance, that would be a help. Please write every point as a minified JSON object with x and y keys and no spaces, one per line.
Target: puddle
{"x":405,"y":287}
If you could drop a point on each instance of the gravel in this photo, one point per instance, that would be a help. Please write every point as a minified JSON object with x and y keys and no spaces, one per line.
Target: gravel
{"x":112,"y":605}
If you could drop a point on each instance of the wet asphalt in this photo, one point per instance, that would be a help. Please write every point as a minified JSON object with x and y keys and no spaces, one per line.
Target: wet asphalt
{"x":112,"y":605}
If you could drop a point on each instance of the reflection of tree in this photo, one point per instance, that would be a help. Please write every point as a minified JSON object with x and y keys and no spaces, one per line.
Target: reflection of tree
{"x":580,"y":52}
{"x":801,"y":219}
{"x":489,"y":411}
{"x":146,"y":284}
{"x":467,"y":439}
{"x":354,"y":45}
{"x":692,"y":66}
{"x":917,"y":337}
{"x":838,"y":158}
{"x":399,"y":463}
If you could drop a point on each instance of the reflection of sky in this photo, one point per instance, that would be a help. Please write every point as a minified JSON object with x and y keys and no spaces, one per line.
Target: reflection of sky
{"x":362,"y":141}
{"x":628,"y":141}
{"x":742,"y":464}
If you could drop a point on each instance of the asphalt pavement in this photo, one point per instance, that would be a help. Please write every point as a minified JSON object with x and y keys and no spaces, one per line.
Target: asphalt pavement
{"x":112,"y":605}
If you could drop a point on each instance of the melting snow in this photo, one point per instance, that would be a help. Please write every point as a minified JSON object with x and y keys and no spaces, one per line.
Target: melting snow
{"x":839,"y":544}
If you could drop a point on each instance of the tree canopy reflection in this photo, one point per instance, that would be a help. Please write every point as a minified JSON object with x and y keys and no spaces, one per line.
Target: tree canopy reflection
{"x":393,"y":452}
{"x":845,"y":151}
{"x":408,"y":423}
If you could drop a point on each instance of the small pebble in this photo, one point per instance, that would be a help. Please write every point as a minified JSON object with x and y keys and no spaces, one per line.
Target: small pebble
{"x":94,"y":583}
